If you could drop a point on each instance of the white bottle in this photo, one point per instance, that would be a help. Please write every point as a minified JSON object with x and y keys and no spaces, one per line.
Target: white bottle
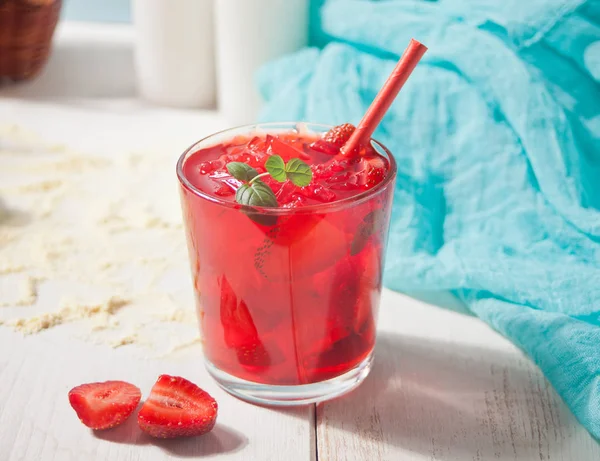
{"x":250,"y":33}
{"x":174,"y":52}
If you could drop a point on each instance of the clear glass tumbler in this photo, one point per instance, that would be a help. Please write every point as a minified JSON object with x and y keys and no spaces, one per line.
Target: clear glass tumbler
{"x":287,"y":299}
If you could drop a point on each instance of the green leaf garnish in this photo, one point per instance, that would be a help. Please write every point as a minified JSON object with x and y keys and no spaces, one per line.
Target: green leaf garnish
{"x":276,"y":168}
{"x":298,"y":172}
{"x":256,"y":193}
{"x":241,"y":171}
{"x":295,"y":170}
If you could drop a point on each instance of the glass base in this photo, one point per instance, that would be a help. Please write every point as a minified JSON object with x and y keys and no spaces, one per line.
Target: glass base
{"x":288,"y":396}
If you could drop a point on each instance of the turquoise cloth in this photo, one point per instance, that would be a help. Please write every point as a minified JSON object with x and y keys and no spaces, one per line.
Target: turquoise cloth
{"x":497,"y":139}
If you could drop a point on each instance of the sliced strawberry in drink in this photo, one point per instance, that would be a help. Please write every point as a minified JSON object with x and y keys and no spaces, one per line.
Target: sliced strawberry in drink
{"x":177,"y":407}
{"x":254,"y":355}
{"x":375,"y":176}
{"x":372,"y":172}
{"x":354,"y":295}
{"x":239,"y":329}
{"x":350,"y":316}
{"x":104,"y":405}
{"x":237,"y":322}
{"x":339,"y":135}
{"x":206,"y":167}
{"x":334,"y":139}
{"x":340,"y":356}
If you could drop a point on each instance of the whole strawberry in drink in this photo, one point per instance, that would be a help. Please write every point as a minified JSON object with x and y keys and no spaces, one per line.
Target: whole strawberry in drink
{"x":286,"y":237}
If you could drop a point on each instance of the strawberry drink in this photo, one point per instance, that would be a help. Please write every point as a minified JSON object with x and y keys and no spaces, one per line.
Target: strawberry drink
{"x":286,"y":237}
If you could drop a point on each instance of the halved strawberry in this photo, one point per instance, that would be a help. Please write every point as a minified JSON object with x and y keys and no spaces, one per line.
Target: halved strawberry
{"x":238,"y":326}
{"x":104,"y":405}
{"x":177,"y":407}
{"x":334,"y":139}
{"x":239,"y":330}
{"x":339,"y":135}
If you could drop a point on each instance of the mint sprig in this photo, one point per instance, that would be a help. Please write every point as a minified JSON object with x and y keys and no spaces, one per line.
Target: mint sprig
{"x":295,"y":170}
{"x":254,"y":191}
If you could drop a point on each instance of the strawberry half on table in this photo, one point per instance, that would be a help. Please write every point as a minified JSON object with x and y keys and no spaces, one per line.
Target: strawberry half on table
{"x":177,"y":407}
{"x":104,"y":405}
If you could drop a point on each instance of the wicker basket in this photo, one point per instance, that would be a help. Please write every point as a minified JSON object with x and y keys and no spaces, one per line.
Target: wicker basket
{"x":26,"y":29}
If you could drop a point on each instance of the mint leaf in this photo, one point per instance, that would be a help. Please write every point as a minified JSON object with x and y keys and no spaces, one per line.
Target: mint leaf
{"x":276,"y":168}
{"x":298,"y":172}
{"x":241,"y":171}
{"x":256,"y":194}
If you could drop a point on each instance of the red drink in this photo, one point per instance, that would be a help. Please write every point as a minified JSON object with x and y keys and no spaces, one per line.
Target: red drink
{"x":288,"y":296}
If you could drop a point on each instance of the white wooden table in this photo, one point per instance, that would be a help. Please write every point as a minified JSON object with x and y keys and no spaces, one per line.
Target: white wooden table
{"x":444,"y":386}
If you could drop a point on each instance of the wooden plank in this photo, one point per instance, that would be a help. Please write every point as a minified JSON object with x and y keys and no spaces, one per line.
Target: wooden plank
{"x":38,"y":424}
{"x":446,"y":387}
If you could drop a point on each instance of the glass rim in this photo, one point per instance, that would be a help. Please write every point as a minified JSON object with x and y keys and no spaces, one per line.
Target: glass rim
{"x":272,"y":211}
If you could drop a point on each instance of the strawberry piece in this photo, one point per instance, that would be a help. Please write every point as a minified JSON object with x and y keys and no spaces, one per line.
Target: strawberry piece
{"x":253,"y":355}
{"x":350,"y":316}
{"x":206,"y":167}
{"x":104,"y":405}
{"x":339,"y":135}
{"x":177,"y":407}
{"x":239,"y":329}
{"x":375,"y":176}
{"x":238,"y":326}
{"x":352,"y":300}
{"x":334,"y":139}
{"x":372,"y":172}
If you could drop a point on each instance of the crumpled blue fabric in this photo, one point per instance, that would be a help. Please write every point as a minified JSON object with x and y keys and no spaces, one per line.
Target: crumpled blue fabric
{"x":497,"y":139}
